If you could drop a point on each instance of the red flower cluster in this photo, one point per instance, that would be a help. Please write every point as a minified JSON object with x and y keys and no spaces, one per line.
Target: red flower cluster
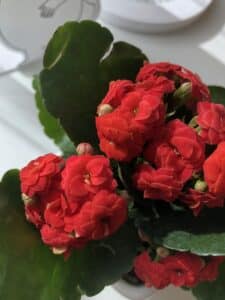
{"x":131,"y":113}
{"x":181,"y":270}
{"x":133,"y":121}
{"x":72,"y":202}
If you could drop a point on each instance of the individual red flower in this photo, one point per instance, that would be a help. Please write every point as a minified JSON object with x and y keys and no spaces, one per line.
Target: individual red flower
{"x":118,"y":140}
{"x":156,"y":86}
{"x":151,"y":273}
{"x":101,"y":217}
{"x":145,"y":112}
{"x":178,"y":147}
{"x":160,"y":184}
{"x":117,"y":90}
{"x":211,"y":119}
{"x":211,"y":270}
{"x":178,"y":74}
{"x":85,"y":175}
{"x":214,"y":171}
{"x":183,"y":269}
{"x":59,"y":240}
{"x":37,"y":176}
{"x":196,"y":200}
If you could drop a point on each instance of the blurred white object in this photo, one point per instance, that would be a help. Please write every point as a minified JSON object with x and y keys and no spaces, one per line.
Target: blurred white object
{"x":153,"y":15}
{"x":27,"y":25}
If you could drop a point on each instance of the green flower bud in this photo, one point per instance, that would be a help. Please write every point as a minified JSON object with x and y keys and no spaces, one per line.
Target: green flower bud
{"x":183,"y":93}
{"x":104,"y":109}
{"x":162,"y":252}
{"x":27,"y":200}
{"x":200,"y":186}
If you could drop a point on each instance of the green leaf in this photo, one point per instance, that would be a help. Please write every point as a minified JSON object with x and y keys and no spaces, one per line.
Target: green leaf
{"x":51,"y":125}
{"x":203,"y":235}
{"x":103,"y":263}
{"x":212,"y":290}
{"x":28,"y":269}
{"x":77,"y":72}
{"x":218,"y":94}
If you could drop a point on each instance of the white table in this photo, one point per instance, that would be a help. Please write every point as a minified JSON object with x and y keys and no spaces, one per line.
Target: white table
{"x":200,"y":47}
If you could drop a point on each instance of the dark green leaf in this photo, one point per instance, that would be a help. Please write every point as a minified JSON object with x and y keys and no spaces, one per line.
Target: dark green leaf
{"x":28,"y":269}
{"x":103,"y":263}
{"x":212,"y":290}
{"x":51,"y":125}
{"x":202,"y":235}
{"x":218,"y":94}
{"x":77,"y":72}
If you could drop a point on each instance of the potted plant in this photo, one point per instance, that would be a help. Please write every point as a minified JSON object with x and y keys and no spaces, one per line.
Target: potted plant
{"x":138,"y":189}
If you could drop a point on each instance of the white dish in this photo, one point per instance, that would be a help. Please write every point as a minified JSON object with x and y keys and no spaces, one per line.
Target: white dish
{"x":153,"y":15}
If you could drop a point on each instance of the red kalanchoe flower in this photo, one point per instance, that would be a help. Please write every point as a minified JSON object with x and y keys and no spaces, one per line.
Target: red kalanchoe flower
{"x":117,"y":138}
{"x":85,"y":175}
{"x":178,"y":74}
{"x":183,"y":269}
{"x":37,"y":176}
{"x":160,"y":184}
{"x":196,"y":200}
{"x":101,"y":217}
{"x":146,"y":113}
{"x":151,"y":273}
{"x":179,"y":148}
{"x":211,"y":270}
{"x":214,"y":171}
{"x":117,"y":90}
{"x":60,"y":241}
{"x":211,"y":119}
{"x":156,"y":86}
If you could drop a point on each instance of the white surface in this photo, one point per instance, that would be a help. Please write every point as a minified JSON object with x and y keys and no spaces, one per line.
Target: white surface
{"x":27,"y":25}
{"x":153,"y":15}
{"x":201,"y":47}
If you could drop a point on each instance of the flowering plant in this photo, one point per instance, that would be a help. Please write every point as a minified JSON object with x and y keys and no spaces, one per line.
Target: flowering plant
{"x":142,"y":191}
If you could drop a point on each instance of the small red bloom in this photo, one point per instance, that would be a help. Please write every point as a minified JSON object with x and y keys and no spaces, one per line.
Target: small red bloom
{"x":156,"y":86}
{"x":151,"y":273}
{"x":197,"y":200}
{"x":101,"y":217}
{"x":211,"y":119}
{"x":179,"y":147}
{"x":37,"y":176}
{"x":183,"y":269}
{"x":85,"y":175}
{"x":146,"y":113}
{"x":214,"y":171}
{"x":57,"y":238}
{"x":178,"y":74}
{"x":117,"y":90}
{"x":160,"y":184}
{"x":118,"y":140}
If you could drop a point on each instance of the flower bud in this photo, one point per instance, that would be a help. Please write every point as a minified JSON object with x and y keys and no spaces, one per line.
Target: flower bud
{"x":162,"y":252}
{"x":200,"y":186}
{"x":84,"y":148}
{"x":143,"y":237}
{"x":183,"y":93}
{"x":27,"y":200}
{"x":104,"y":109}
{"x":59,"y":251}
